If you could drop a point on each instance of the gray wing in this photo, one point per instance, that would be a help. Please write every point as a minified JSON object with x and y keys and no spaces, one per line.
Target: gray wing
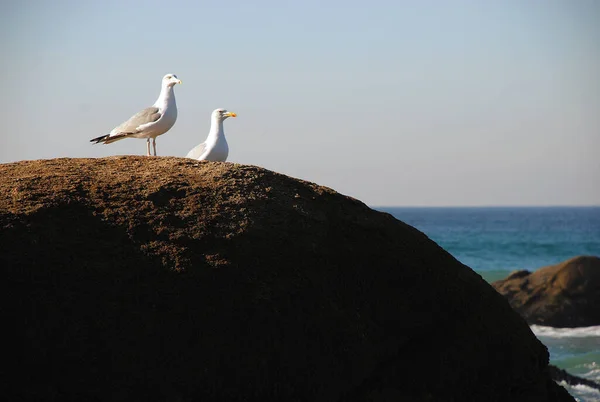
{"x":197,"y":151}
{"x":148,"y":115}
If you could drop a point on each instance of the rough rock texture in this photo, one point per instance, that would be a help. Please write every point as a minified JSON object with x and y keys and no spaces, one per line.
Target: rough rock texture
{"x":561,"y":295}
{"x":133,"y":278}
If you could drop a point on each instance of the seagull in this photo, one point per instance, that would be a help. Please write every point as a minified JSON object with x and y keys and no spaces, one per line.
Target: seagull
{"x":215,"y":147}
{"x":150,"y":122}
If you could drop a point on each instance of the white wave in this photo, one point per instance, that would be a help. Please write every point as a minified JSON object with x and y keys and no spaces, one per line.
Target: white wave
{"x":582,"y":393}
{"x":592,"y":366}
{"x":551,"y":332}
{"x":585,"y":389}
{"x":592,"y":375}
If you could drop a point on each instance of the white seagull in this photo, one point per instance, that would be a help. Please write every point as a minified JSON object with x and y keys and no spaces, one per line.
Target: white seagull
{"x":215,"y":147}
{"x":150,"y":122}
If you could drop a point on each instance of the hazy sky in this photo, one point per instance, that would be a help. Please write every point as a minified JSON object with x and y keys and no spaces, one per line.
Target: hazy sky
{"x":393,"y":102}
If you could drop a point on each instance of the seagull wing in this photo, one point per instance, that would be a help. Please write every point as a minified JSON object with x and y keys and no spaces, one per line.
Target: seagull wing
{"x":197,"y":151}
{"x":134,"y":125}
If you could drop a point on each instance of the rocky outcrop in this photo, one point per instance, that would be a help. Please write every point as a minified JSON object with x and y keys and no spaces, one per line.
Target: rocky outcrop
{"x":561,"y":295}
{"x":133,"y":278}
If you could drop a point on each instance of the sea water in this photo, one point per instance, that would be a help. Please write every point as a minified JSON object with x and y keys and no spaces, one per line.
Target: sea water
{"x":497,"y":241}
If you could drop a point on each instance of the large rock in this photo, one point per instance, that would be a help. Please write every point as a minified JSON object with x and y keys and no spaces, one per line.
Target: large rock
{"x":133,"y":278}
{"x":561,"y":295}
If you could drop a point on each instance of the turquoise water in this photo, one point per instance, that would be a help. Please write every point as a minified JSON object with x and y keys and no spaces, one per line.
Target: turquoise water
{"x":496,"y":241}
{"x":576,"y":350}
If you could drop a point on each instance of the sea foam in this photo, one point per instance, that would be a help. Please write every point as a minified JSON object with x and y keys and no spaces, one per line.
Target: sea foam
{"x":582,"y":393}
{"x":551,"y":332}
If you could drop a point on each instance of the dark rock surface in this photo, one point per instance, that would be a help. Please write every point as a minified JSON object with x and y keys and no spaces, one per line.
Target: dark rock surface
{"x":561,"y":295}
{"x":138,"y":279}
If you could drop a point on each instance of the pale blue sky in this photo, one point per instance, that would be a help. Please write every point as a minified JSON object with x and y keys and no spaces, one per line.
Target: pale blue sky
{"x":392,"y":102}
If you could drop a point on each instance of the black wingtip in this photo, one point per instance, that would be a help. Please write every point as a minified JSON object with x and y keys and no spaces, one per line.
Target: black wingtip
{"x":99,"y":139}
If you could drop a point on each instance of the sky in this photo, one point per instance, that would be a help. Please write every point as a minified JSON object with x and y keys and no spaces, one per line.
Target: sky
{"x":396,"y":103}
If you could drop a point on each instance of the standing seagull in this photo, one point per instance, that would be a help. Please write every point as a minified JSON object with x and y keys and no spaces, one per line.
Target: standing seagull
{"x":215,"y":147}
{"x":150,"y":122}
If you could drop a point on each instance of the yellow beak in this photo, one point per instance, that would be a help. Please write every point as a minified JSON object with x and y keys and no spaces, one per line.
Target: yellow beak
{"x":179,"y":82}
{"x":231,"y":114}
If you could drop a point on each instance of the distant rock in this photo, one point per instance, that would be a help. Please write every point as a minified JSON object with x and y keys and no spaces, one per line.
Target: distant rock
{"x":561,"y":295}
{"x":149,"y":279}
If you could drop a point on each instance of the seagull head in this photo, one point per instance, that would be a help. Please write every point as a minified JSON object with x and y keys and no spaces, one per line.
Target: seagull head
{"x":222,"y":114}
{"x":170,"y":80}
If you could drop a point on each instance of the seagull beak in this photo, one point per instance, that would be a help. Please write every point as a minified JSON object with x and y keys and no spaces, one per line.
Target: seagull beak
{"x":231,"y":114}
{"x":179,"y":82}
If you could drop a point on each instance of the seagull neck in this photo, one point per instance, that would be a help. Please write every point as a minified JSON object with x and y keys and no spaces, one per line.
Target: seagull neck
{"x":166,"y":95}
{"x":216,"y":129}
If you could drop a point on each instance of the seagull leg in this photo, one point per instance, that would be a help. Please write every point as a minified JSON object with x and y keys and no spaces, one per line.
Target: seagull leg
{"x":154,"y":145}
{"x":148,"y":147}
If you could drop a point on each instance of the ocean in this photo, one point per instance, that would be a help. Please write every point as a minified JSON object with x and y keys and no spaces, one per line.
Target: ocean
{"x":496,"y":241}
